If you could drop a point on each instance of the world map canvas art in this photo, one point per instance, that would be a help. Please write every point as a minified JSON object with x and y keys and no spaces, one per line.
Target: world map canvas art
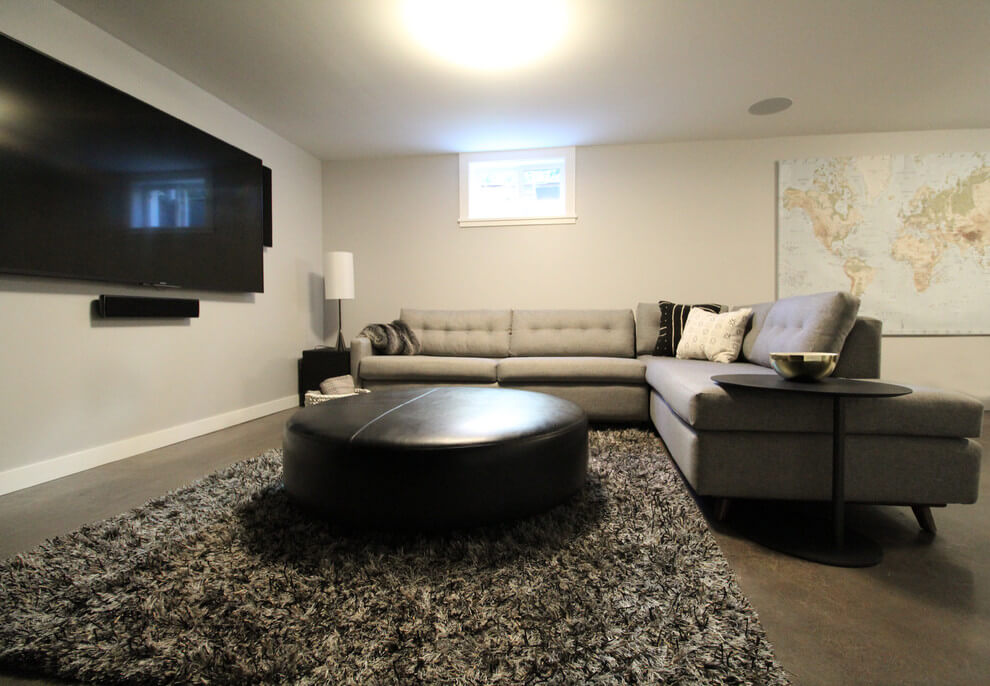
{"x":908,"y":234}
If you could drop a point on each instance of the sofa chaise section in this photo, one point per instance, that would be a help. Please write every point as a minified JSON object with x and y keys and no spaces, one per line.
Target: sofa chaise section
{"x":917,"y":449}
{"x":733,"y":443}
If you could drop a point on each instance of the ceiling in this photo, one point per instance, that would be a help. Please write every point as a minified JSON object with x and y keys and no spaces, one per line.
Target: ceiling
{"x":343,"y":79}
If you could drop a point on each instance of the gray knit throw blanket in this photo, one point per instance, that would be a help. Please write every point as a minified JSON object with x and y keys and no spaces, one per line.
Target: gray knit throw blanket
{"x":392,"y":339}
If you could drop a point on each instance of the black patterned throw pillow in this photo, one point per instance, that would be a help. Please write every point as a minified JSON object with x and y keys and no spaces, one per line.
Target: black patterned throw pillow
{"x":672,"y":319}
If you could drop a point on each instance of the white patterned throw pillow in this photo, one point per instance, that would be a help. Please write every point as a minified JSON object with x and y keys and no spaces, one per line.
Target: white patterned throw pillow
{"x":715,"y":337}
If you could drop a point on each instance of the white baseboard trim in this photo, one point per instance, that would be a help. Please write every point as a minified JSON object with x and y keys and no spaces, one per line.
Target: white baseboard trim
{"x":57,"y":467}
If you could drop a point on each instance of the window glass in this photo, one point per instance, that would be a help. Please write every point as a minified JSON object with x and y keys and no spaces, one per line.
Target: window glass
{"x":517,"y":187}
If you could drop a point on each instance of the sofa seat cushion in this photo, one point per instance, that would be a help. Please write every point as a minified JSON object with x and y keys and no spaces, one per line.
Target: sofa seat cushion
{"x":582,"y":370}
{"x":686,"y":387}
{"x":424,"y":368}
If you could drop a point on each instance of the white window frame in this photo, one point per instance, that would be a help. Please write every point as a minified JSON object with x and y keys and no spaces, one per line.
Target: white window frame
{"x":569,"y":183}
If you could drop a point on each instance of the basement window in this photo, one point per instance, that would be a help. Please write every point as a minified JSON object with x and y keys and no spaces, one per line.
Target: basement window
{"x":517,"y":187}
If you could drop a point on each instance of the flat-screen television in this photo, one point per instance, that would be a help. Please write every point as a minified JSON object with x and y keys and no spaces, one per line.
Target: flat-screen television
{"x":97,"y":185}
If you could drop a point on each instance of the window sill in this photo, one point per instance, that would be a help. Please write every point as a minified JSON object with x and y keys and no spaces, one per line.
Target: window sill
{"x":518,"y":221}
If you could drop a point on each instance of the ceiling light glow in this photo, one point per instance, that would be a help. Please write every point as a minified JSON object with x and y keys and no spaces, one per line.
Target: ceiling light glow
{"x":487,"y":34}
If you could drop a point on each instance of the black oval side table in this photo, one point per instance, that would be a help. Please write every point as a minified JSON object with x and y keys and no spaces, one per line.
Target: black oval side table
{"x":845,"y":548}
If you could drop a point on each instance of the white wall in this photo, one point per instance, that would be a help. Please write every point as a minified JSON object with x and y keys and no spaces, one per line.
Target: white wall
{"x":681,"y":221}
{"x":77,"y":392}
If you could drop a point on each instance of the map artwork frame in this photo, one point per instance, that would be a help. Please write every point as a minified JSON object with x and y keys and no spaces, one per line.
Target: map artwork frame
{"x":908,"y":234}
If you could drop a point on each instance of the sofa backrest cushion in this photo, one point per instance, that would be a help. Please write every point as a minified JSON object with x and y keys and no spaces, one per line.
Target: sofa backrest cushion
{"x":463,"y":333}
{"x":806,"y":323}
{"x":648,"y":320}
{"x":647,"y":327}
{"x":753,"y":328}
{"x":860,"y":356}
{"x":577,"y":333}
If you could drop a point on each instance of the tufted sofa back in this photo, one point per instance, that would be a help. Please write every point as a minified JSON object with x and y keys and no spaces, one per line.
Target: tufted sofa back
{"x":579,"y":333}
{"x":860,"y":353}
{"x":461,"y":333}
{"x":524,"y":333}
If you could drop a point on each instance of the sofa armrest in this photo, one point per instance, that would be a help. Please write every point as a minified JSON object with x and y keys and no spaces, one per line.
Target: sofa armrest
{"x":360,"y":348}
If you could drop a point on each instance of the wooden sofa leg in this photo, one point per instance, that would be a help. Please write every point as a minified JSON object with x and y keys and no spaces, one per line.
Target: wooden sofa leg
{"x":722,"y":508}
{"x":926,"y":520}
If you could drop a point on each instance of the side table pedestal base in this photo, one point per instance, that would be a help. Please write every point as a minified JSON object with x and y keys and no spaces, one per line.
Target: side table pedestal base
{"x":811,"y":539}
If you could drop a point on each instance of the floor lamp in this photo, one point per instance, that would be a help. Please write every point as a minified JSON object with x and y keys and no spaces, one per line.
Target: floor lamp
{"x":338,"y":284}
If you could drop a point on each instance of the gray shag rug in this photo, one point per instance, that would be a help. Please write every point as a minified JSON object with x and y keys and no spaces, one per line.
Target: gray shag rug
{"x":225,"y":581}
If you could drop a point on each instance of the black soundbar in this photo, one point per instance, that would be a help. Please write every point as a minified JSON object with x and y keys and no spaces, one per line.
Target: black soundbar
{"x":266,"y":187}
{"x":111,"y":306}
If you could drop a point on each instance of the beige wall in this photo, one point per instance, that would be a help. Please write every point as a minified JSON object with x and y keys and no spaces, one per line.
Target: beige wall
{"x":681,"y":221}
{"x":78,"y":392}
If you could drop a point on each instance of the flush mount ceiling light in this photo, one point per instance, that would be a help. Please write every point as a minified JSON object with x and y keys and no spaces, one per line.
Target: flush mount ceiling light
{"x":487,"y":34}
{"x":770,"y":106}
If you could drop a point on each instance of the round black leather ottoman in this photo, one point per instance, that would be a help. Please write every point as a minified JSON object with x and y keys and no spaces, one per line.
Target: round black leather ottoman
{"x":435,"y":457}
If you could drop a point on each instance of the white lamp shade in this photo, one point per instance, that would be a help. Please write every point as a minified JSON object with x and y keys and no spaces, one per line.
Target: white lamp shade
{"x":338,"y":275}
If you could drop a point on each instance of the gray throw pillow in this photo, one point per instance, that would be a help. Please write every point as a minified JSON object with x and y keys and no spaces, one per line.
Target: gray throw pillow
{"x":806,"y":323}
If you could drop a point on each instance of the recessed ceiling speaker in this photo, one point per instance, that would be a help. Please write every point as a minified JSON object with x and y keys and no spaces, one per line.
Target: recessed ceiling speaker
{"x":770,"y":106}
{"x":139,"y":307}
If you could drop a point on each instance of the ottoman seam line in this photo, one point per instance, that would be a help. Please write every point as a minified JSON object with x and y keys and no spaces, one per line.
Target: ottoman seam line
{"x":393,"y":409}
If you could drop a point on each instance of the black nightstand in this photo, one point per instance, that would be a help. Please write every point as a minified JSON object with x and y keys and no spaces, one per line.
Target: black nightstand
{"x":319,"y":364}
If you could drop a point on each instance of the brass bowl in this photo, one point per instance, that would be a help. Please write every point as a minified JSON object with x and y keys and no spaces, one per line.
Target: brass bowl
{"x":804,"y":366}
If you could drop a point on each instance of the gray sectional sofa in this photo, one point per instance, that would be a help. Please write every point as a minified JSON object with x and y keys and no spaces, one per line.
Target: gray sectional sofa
{"x":917,"y":449}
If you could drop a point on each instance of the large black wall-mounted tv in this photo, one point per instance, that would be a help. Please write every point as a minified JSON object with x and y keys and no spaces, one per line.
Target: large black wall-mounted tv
{"x":97,"y":185}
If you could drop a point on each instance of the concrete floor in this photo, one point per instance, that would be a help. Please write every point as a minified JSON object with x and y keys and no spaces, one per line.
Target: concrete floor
{"x":922,"y":616}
